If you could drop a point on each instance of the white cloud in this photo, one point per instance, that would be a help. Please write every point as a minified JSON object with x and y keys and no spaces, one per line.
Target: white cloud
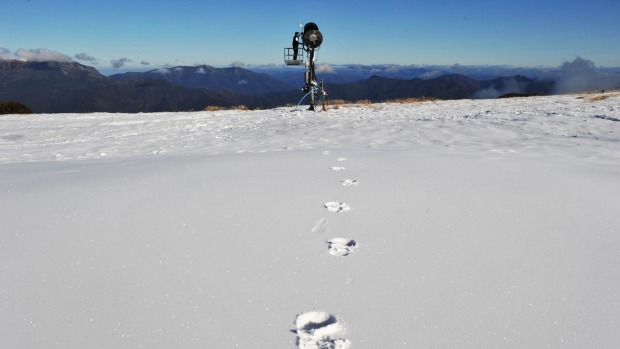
{"x":432,"y":74}
{"x":325,"y":68}
{"x":84,"y":57}
{"x":5,"y":54}
{"x":511,"y":85}
{"x":41,"y":55}
{"x":237,"y":64}
{"x":120,"y":62}
{"x":581,"y":75}
{"x":392,"y":68}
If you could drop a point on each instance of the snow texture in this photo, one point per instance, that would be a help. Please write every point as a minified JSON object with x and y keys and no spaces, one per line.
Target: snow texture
{"x":320,"y":330}
{"x":481,"y":224}
{"x":349,"y":182}
{"x":341,"y":247}
{"x":336,"y":206}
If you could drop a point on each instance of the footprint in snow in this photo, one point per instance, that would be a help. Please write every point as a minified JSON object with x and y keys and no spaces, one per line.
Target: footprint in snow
{"x":320,"y":226}
{"x":336,"y":206}
{"x":349,"y":182}
{"x":342,"y":159}
{"x":320,"y":330}
{"x":337,"y":168}
{"x":340,"y":247}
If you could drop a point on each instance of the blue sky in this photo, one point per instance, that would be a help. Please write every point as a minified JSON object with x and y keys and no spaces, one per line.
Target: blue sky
{"x":155,"y":33}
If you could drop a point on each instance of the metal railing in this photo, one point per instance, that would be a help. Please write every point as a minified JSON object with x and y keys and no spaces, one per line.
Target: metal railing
{"x":293,"y":58}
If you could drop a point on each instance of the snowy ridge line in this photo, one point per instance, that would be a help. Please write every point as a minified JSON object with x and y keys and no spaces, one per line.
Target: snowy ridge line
{"x":524,"y":125}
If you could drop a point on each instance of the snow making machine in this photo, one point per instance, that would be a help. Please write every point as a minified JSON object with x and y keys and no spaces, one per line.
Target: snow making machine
{"x":308,"y":41}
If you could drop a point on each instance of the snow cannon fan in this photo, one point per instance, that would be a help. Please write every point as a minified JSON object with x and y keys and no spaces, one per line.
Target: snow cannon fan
{"x":311,"y":36}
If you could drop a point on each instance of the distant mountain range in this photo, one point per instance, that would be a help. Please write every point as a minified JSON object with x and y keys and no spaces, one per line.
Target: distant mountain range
{"x":452,"y":86}
{"x":218,"y":79}
{"x":55,"y":87}
{"x":339,"y":74}
{"x":69,"y":87}
{"x":580,"y":71}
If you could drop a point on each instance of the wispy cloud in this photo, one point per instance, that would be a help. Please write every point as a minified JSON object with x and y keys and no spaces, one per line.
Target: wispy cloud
{"x":41,"y":55}
{"x":145,"y":63}
{"x":325,"y":68}
{"x":392,"y":68}
{"x":582,"y":75}
{"x":5,"y":54}
{"x":237,"y":64}
{"x":84,"y":57}
{"x":431,"y":74}
{"x":510,"y":85}
{"x":117,"y":63}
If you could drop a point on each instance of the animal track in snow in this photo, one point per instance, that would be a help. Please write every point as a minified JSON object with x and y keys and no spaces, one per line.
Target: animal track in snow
{"x":320,"y":330}
{"x":349,"y":182}
{"x":336,"y":206}
{"x":337,"y":168}
{"x":341,"y":247}
{"x":320,"y":226}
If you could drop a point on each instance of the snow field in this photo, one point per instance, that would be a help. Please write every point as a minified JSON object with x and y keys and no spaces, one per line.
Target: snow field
{"x":473,"y":224}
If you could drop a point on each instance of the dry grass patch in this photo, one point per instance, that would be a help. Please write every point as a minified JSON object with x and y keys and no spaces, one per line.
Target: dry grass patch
{"x":599,"y":95}
{"x":337,"y":103}
{"x":12,"y":107}
{"x":219,"y":107}
{"x":604,"y":96}
{"x":343,"y":103}
{"x":599,"y":98}
{"x":412,"y":100}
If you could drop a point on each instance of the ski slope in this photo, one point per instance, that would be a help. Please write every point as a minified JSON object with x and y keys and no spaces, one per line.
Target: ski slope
{"x":449,"y":224}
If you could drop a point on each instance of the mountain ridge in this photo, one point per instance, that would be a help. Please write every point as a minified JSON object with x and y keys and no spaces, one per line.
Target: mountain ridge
{"x":56,"y":87}
{"x":450,"y":86}
{"x":219,"y":79}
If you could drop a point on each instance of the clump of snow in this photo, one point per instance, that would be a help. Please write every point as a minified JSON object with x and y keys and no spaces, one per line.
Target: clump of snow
{"x":349,"y":182}
{"x":320,"y":330}
{"x":336,"y":206}
{"x":341,"y":247}
{"x":484,"y":223}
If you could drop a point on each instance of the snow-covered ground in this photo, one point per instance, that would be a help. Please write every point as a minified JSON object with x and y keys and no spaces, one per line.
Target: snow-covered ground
{"x":456,"y":224}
